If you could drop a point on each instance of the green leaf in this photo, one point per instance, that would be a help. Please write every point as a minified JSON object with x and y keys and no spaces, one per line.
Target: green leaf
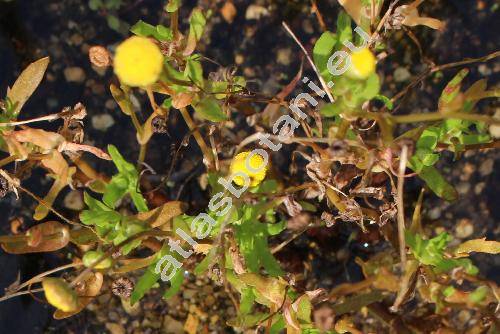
{"x":332,"y":109}
{"x":370,"y":89}
{"x":144,"y":284}
{"x":344,"y":30}
{"x":159,"y":32}
{"x":197,"y":23}
{"x":431,"y":252}
{"x":208,"y":108}
{"x":429,"y":138}
{"x":478,"y":295}
{"x":149,"y":278}
{"x":451,"y":90}
{"x":387,"y":102}
{"x":436,"y":182}
{"x":323,"y":49}
{"x":247,"y":300}
{"x":126,"y":181}
{"x":252,"y":236}
{"x":175,"y":284}
{"x":194,"y":71}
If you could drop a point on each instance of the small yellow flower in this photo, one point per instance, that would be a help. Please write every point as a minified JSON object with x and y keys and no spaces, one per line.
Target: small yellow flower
{"x":363,"y":64}
{"x":59,"y":294}
{"x":239,"y":165}
{"x":138,"y":62}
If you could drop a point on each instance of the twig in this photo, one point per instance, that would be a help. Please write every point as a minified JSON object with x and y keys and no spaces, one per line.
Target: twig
{"x":37,"y":278}
{"x":50,"y":117}
{"x":282,"y":245}
{"x":207,"y":153}
{"x":387,"y":14}
{"x":316,"y":11}
{"x":20,"y":293}
{"x":323,"y":83}
{"x":48,"y":206}
{"x":399,"y":202}
{"x":421,"y":77}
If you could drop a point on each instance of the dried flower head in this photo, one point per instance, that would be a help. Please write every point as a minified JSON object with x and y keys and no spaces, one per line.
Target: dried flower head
{"x":122,"y":287}
{"x":159,"y":124}
{"x":99,"y":56}
{"x":138,"y":62}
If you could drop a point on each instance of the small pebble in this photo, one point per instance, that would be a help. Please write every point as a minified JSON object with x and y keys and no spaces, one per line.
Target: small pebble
{"x":110,"y":104}
{"x":74,"y":74}
{"x":102,"y":122}
{"x":434,"y":213}
{"x":74,"y":201}
{"x":486,"y":167}
{"x":464,"y":229}
{"x":463,"y":188}
{"x":284,"y":56}
{"x":478,"y":188}
{"x":255,"y":12}
{"x":401,"y":74}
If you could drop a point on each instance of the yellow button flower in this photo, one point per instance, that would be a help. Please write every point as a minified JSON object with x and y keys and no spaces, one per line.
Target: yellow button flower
{"x":59,"y":294}
{"x":363,"y":64}
{"x":138,"y":62}
{"x":239,"y":165}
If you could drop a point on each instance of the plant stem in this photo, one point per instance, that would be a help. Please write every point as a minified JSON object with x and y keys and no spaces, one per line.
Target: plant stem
{"x":197,"y":136}
{"x":400,"y":205}
{"x":435,"y":116}
{"x":135,"y":121}
{"x":7,"y":160}
{"x":20,"y":293}
{"x":142,"y":155}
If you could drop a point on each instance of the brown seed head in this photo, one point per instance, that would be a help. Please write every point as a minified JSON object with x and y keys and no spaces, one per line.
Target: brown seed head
{"x":99,"y":56}
{"x":122,"y":287}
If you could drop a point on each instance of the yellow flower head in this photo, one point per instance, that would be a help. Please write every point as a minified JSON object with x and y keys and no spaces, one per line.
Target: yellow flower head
{"x":59,"y":294}
{"x":256,"y":162}
{"x":138,"y":62}
{"x":362,"y":64}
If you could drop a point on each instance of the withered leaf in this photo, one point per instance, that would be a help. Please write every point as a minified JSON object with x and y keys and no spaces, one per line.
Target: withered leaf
{"x":477,"y":245}
{"x":26,"y":83}
{"x":87,"y":291}
{"x":163,"y":214}
{"x":45,"y":237}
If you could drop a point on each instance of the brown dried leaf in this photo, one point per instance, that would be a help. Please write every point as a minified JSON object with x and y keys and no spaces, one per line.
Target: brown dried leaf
{"x":181,"y":100}
{"x":477,"y":245}
{"x":163,"y":214}
{"x":63,"y":176}
{"x":46,"y":237}
{"x":412,"y":17}
{"x":271,"y":289}
{"x":41,"y":138}
{"x":27,"y":82}
{"x":292,"y":206}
